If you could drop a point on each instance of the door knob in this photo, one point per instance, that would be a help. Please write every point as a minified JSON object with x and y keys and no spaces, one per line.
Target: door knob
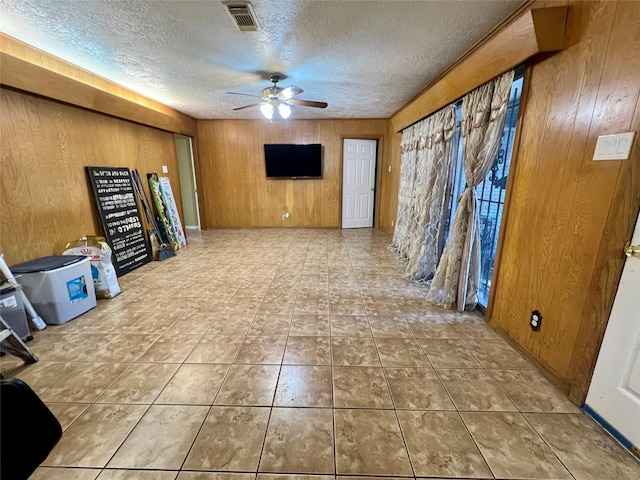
{"x":632,"y":250}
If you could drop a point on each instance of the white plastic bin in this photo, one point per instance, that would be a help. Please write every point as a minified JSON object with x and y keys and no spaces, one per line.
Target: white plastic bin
{"x":59,"y":287}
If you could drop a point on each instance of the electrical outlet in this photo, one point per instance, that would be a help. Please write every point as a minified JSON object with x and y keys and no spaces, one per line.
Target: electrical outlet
{"x":536,"y":320}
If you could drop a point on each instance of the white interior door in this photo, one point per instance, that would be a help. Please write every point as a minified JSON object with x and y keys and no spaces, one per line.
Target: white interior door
{"x":358,"y":182}
{"x":614,"y":393}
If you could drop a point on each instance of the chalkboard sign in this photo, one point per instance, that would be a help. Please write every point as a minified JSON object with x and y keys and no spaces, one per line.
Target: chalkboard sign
{"x":120,"y":217}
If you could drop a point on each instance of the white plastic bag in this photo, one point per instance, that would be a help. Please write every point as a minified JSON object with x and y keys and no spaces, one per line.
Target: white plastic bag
{"x":104,"y":275}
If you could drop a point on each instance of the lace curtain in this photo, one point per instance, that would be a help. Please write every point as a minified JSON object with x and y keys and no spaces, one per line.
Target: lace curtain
{"x":424,"y":174}
{"x":483,"y":115}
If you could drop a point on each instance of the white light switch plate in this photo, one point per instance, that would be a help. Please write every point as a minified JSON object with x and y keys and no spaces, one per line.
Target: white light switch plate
{"x":614,"y":147}
{"x":165,"y":169}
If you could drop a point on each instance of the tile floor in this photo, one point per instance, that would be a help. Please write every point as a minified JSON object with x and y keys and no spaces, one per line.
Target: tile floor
{"x":298,"y":352}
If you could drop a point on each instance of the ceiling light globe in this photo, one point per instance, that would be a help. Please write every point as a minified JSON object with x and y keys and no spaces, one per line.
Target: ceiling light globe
{"x":267,"y":110}
{"x":284,"y":110}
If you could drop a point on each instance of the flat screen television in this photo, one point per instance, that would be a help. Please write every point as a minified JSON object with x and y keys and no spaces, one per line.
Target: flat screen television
{"x":293,"y":161}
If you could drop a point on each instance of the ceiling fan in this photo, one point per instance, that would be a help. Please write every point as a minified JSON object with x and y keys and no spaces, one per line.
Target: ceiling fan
{"x":279,"y":99}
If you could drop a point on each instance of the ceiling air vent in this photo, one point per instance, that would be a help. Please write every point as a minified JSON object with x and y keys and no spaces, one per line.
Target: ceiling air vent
{"x":243,"y":16}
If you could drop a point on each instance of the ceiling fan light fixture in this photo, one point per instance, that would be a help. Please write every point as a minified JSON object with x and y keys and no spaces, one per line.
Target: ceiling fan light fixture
{"x":284,"y":110}
{"x":266,"y":109}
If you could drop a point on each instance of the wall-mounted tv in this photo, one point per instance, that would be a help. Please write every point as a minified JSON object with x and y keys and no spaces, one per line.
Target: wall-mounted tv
{"x":293,"y":161}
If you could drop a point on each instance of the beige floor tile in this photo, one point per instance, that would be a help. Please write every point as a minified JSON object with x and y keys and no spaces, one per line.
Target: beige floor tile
{"x":245,"y":305}
{"x":162,"y":438}
{"x":140,"y":383}
{"x":307,"y":351}
{"x":417,"y":389}
{"x":152,"y":324}
{"x":431,"y":327}
{"x":340,"y":477}
{"x":39,"y":376}
{"x":170,"y":349}
{"x":189,"y":326}
{"x":277,"y":306}
{"x":194,"y":384}
{"x":122,"y":347}
{"x":310,"y":325}
{"x":350,"y":326}
{"x":587,"y":451}
{"x":137,"y":475}
{"x":261,"y":350}
{"x":304,"y":386}
{"x":350,"y":351}
{"x":215,"y":349}
{"x":448,"y":353}
{"x":439,"y":445}
{"x":231,"y":325}
{"x":531,"y":392}
{"x":94,"y":437}
{"x":369,"y":442}
{"x":401,"y":352}
{"x":343,"y":284}
{"x":360,"y":387}
{"x":497,"y":354}
{"x":347,"y":305}
{"x":231,"y":439}
{"x":270,"y":325}
{"x":249,"y":385}
{"x":67,"y":413}
{"x":57,"y":473}
{"x":84,"y":383}
{"x":478,"y":329}
{"x":474,"y":389}
{"x":299,"y":440}
{"x":275,"y":476}
{"x":311,"y":306}
{"x":215,"y":476}
{"x":511,"y":446}
{"x":390,"y":327}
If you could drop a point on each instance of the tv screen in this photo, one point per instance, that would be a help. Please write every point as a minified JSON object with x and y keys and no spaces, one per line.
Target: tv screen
{"x":293,"y":161}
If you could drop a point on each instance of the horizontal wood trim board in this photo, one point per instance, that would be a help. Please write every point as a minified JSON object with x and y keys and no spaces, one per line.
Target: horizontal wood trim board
{"x":30,"y":70}
{"x":533,"y":32}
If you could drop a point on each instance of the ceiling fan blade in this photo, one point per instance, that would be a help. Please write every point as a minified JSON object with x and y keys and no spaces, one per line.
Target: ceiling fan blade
{"x":243,"y":94}
{"x":309,"y":103}
{"x":290,"y":91}
{"x":247,"y":106}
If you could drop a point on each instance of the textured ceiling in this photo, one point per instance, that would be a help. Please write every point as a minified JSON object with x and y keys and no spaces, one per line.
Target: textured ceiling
{"x":365,"y":58}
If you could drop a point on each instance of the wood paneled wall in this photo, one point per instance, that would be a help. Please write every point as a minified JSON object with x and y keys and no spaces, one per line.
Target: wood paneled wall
{"x":44,"y":191}
{"x":568,"y":217}
{"x":233,"y":184}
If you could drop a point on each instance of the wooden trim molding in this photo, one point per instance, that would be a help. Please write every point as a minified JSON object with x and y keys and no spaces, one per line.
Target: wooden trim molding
{"x":33,"y":71}
{"x":534,"y":31}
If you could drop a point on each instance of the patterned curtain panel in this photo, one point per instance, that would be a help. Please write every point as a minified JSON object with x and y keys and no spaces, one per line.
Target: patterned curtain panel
{"x":483,"y":115}
{"x":424,"y":176}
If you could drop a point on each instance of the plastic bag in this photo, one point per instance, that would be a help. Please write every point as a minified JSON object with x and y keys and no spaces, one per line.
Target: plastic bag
{"x":104,"y":275}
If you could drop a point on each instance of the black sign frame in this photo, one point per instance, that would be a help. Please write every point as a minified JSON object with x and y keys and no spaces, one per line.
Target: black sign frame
{"x":120,"y":216}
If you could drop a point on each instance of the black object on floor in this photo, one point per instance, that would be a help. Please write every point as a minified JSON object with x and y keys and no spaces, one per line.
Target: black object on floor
{"x":28,"y":430}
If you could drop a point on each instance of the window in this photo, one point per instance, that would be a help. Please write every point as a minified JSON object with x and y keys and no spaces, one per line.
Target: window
{"x":490,"y":192}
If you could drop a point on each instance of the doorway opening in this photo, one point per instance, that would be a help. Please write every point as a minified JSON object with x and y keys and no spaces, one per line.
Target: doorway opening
{"x":188,"y":186}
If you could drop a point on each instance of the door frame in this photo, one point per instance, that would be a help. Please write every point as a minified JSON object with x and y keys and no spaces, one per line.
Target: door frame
{"x":377,"y":182}
{"x":194,"y":172}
